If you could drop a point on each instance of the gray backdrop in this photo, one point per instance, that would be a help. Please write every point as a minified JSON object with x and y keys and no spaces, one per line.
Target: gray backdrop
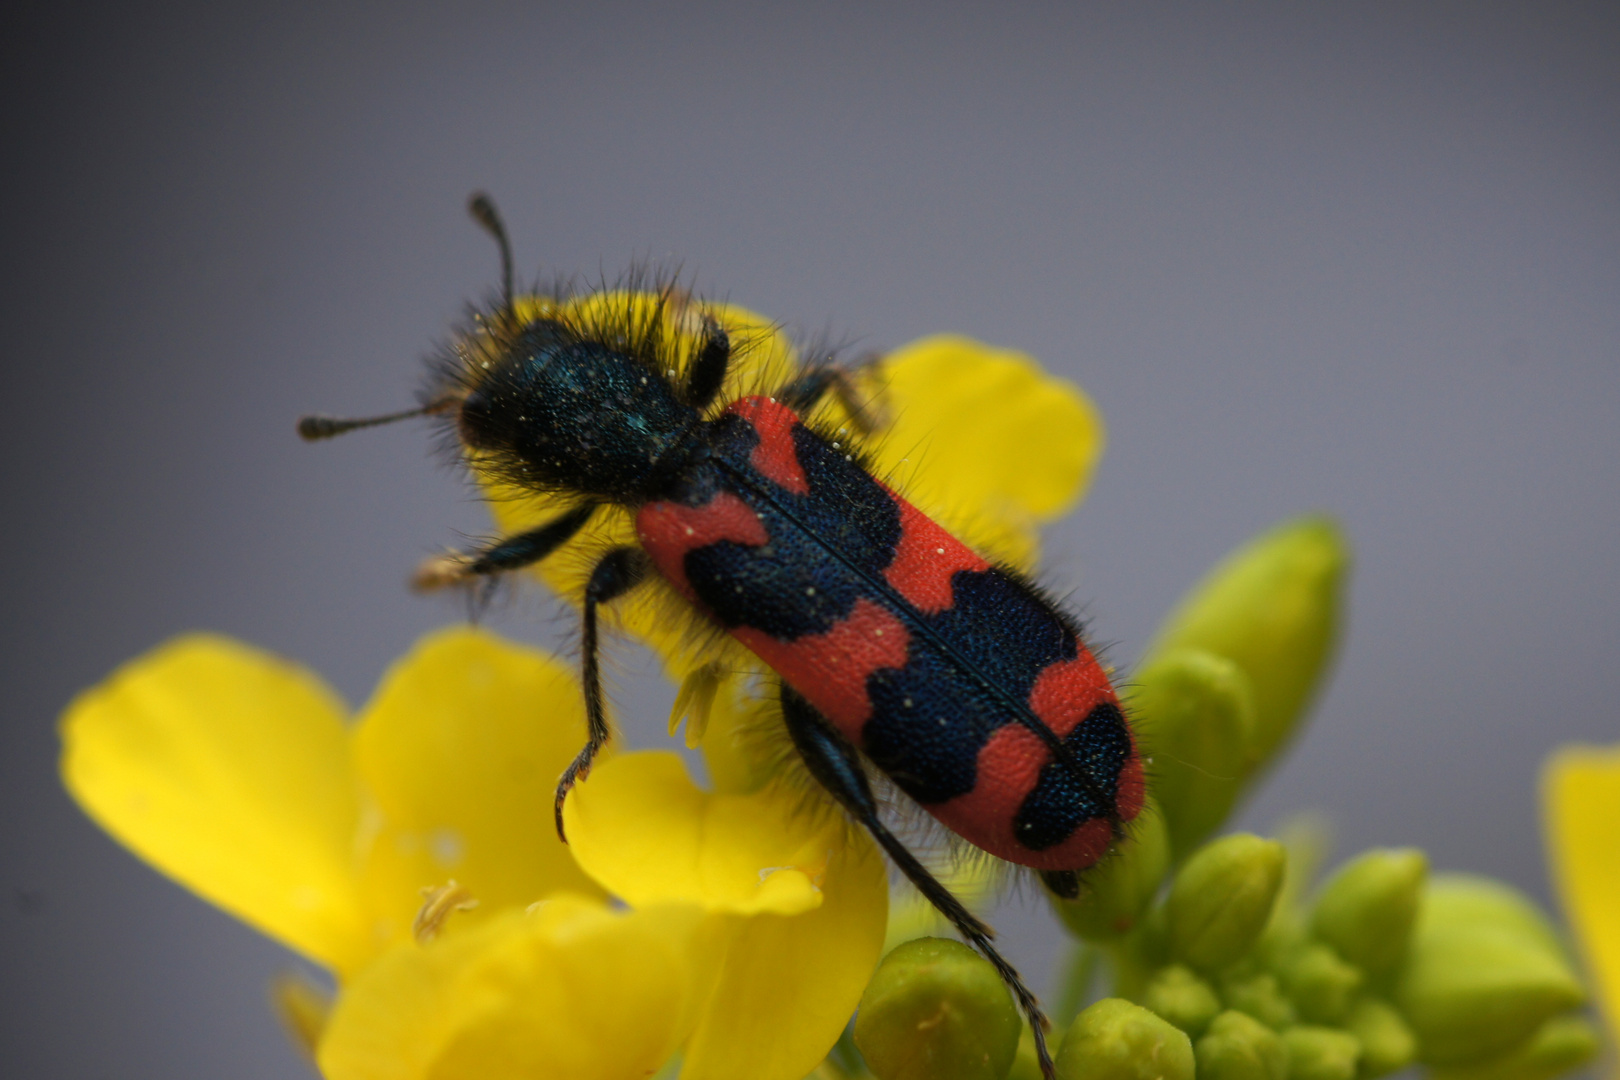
{"x":1361,"y":259}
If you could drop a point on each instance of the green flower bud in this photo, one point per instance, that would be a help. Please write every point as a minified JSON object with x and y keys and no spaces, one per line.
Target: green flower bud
{"x":1182,"y":998}
{"x":1367,"y":909}
{"x":1319,"y":983}
{"x":1483,"y":972}
{"x":1195,"y":713}
{"x":1273,"y":607}
{"x":1387,"y":1044}
{"x":1259,"y":996}
{"x":1285,"y":936}
{"x":1321,"y":1053}
{"x":1221,"y":899}
{"x":1115,"y":1040}
{"x":937,"y":1010}
{"x":1474,"y":900}
{"x":1115,"y":892}
{"x":1561,"y":1044}
{"x":1239,"y":1047}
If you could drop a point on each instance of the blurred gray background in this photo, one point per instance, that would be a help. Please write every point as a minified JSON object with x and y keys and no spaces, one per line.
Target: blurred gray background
{"x":1359,"y":258}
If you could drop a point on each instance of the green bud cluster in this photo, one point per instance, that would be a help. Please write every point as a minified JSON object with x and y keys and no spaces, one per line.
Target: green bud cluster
{"x":1222,"y":967}
{"x":1382,"y":969}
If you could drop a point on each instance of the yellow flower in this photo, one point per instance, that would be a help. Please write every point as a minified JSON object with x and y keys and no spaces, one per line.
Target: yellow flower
{"x":751,"y":915}
{"x":1581,"y":795}
{"x":752,"y":930}
{"x":234,"y":772}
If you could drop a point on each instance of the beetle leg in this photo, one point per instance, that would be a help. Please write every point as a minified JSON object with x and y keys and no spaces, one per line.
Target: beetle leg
{"x":510,"y":553}
{"x":816,"y":380}
{"x":615,"y":574}
{"x":708,"y":372}
{"x":837,"y":766}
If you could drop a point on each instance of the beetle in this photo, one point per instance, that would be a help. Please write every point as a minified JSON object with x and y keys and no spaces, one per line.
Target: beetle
{"x":893,"y":642}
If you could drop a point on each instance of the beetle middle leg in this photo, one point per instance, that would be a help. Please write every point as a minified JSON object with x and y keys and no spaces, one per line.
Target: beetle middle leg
{"x":837,"y":766}
{"x":615,"y":574}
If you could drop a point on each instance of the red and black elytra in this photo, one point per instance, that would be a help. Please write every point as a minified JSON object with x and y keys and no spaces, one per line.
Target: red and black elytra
{"x":894,"y":642}
{"x":970,"y":690}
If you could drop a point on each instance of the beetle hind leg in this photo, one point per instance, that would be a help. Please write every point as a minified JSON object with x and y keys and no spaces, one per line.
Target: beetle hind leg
{"x":837,"y":767}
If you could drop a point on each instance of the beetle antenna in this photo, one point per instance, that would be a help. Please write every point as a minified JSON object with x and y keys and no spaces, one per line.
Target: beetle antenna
{"x":482,"y":208}
{"x":312,"y":428}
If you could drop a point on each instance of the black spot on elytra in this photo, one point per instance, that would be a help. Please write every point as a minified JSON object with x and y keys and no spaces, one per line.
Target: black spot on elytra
{"x":1009,"y":635}
{"x":1059,"y":804}
{"x":791,"y":586}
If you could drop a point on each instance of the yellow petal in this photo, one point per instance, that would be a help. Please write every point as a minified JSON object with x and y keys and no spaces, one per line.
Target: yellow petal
{"x":570,"y":990}
{"x":788,"y":984}
{"x":804,"y":893}
{"x":1581,"y":793}
{"x":460,"y":749}
{"x":641,"y":828}
{"x":985,"y":441}
{"x":228,"y":769}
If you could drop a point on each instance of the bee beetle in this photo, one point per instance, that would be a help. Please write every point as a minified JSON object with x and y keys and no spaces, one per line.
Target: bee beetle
{"x":893,"y":642}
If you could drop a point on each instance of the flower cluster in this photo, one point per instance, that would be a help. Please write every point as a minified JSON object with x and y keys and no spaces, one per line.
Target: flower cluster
{"x":732,"y":930}
{"x":1233,"y":976}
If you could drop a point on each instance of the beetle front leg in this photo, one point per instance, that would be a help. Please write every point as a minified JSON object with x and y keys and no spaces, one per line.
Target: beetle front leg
{"x":619,"y":571}
{"x":510,"y":553}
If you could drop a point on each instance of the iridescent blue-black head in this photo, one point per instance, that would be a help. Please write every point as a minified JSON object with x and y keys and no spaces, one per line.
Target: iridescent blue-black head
{"x":559,"y":407}
{"x":558,"y":397}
